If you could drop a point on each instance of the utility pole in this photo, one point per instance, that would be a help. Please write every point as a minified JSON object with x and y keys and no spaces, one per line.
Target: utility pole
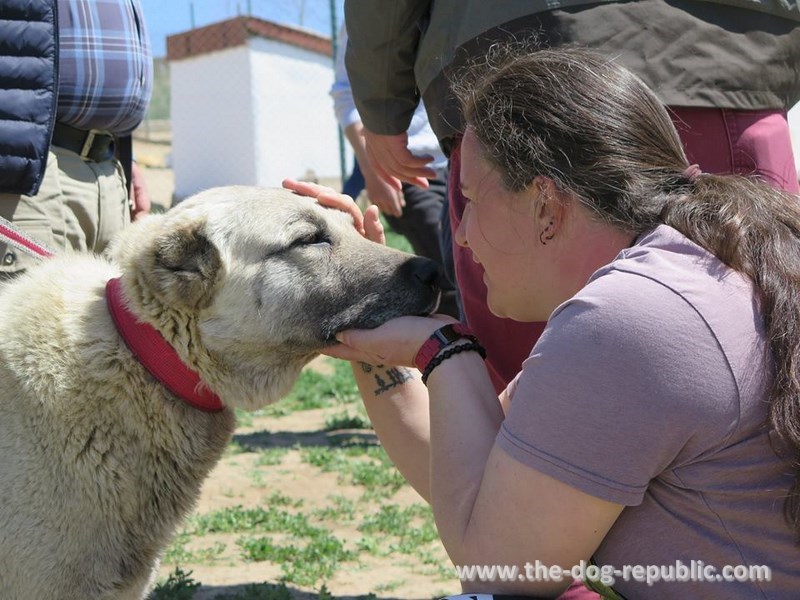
{"x":336,"y":50}
{"x":191,"y":13}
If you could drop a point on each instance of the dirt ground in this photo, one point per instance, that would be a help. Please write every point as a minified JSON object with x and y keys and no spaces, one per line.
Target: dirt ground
{"x":232,"y":483}
{"x":395,"y":576}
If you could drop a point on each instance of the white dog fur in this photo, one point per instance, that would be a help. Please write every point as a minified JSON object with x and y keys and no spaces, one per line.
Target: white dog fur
{"x":98,"y":461}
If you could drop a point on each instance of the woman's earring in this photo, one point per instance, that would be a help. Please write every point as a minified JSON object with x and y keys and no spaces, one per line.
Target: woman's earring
{"x":548,"y":237}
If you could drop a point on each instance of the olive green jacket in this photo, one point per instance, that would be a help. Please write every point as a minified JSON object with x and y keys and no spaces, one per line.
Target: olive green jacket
{"x":399,"y":49}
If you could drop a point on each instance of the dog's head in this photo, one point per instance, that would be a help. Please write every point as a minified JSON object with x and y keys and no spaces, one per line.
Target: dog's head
{"x":248,"y":284}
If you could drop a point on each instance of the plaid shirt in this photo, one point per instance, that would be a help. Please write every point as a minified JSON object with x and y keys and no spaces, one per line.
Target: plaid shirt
{"x":105,"y":64}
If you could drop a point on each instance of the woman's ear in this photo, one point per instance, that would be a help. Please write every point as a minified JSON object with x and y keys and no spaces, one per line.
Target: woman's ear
{"x":549,"y":206}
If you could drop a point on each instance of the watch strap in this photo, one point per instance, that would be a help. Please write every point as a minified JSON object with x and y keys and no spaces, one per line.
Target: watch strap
{"x":439,"y":339}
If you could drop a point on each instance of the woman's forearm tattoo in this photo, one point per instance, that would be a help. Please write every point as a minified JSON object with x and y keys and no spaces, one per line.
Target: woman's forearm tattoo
{"x":387,"y":378}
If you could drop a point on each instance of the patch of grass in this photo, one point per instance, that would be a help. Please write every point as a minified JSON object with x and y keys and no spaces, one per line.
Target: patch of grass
{"x":259,"y":591}
{"x":178,"y":586}
{"x":317,"y":560}
{"x":271,"y":457}
{"x":377,"y":478}
{"x":278,"y":499}
{"x":235,"y":448}
{"x":388,"y":587}
{"x":257,"y":477}
{"x":409,"y":529}
{"x":243,"y":418}
{"x":396,"y":240}
{"x":367,"y":466}
{"x":371,"y":545}
{"x":315,"y":390}
{"x":341,"y":510}
{"x":347,"y":420}
{"x":238,"y":519}
{"x":177,"y":553}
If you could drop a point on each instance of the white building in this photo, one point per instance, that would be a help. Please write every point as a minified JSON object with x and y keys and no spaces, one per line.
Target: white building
{"x":250,"y":105}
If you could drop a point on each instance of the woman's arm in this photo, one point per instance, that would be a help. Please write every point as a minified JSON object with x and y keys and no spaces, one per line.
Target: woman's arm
{"x":490,"y":509}
{"x":397,"y":405}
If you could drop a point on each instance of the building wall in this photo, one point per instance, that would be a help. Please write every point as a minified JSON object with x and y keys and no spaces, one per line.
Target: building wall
{"x":213,"y":138}
{"x":252,"y":115}
{"x":296,"y":131}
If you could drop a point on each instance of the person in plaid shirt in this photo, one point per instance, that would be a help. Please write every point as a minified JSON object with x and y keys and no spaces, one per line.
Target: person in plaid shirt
{"x":67,"y":168}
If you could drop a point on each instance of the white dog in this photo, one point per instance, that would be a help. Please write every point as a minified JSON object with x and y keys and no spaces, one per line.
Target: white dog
{"x":101,"y":456}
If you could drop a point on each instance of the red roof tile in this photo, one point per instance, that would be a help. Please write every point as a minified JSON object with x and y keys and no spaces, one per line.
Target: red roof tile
{"x":235,"y":32}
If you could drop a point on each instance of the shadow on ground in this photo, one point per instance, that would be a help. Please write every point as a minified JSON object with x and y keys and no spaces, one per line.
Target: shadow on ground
{"x":268,"y":591}
{"x":262,"y":440}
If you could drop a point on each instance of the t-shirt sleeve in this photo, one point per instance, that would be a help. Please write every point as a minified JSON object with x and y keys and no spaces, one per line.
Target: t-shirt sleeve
{"x":626,"y":382}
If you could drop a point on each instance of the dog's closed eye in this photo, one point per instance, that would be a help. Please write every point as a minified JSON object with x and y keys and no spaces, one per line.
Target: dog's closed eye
{"x":313,"y":238}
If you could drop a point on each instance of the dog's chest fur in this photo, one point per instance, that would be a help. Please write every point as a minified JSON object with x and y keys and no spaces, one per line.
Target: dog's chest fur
{"x":115,"y":460}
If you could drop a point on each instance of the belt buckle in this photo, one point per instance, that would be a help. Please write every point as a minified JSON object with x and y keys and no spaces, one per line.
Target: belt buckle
{"x":88,"y":143}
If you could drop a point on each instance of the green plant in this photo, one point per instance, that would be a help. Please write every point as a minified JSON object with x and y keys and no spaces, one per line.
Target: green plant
{"x":395,"y":240}
{"x":177,"y":553}
{"x":235,"y":448}
{"x":368,"y":466}
{"x":243,"y":418}
{"x":346,"y":420}
{"x":404,"y":530}
{"x":279,"y":499}
{"x":178,"y":586}
{"x":238,"y":519}
{"x":316,"y":390}
{"x":341,"y":510}
{"x":271,"y":457}
{"x":301,"y":565}
{"x":259,"y":591}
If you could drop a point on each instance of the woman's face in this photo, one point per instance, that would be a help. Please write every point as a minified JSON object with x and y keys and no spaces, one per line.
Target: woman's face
{"x":503,"y":233}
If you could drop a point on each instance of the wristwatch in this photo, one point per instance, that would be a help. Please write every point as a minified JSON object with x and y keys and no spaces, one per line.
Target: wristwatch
{"x":441,"y":338}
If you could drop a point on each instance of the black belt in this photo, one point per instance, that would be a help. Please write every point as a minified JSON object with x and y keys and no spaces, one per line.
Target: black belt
{"x":93,"y":145}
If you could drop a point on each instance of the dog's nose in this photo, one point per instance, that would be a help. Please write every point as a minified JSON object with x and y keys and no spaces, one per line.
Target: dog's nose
{"x":425,"y":271}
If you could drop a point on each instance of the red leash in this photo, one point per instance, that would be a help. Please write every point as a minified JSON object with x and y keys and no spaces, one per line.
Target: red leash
{"x":22,"y":241}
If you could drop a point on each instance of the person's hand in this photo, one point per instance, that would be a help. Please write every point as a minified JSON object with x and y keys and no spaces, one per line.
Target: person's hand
{"x":395,"y":343}
{"x":369,"y":224}
{"x":389,"y":200}
{"x":390,"y":158}
{"x":140,"y":193}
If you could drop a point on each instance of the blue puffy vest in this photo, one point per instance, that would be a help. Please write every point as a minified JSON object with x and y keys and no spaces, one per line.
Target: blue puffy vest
{"x":28,"y":91}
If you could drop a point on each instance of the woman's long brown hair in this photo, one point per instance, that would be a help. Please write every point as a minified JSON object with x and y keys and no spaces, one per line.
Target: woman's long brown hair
{"x":600,"y":133}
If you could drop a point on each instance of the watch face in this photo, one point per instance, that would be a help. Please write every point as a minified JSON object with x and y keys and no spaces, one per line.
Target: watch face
{"x":447,"y":334}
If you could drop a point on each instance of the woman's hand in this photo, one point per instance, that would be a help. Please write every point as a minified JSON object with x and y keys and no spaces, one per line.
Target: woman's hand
{"x":369,"y":224}
{"x":395,"y":343}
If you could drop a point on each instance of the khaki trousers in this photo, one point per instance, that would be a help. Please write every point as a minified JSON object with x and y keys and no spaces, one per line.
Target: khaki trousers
{"x":79,"y":207}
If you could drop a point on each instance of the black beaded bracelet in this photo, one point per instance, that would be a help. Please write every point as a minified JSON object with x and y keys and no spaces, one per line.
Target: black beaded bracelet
{"x":451,"y":351}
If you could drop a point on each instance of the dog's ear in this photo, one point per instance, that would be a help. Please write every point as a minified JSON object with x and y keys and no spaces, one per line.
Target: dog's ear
{"x":185,"y":267}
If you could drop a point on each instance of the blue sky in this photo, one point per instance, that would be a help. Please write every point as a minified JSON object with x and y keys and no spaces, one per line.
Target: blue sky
{"x":166,"y":17}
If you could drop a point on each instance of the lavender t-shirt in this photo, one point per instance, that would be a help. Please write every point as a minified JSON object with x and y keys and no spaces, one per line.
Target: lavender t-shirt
{"x":649,"y":388}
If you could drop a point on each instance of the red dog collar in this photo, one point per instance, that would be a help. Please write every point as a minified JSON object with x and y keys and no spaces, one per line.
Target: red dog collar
{"x":157,"y":356}
{"x":441,"y":338}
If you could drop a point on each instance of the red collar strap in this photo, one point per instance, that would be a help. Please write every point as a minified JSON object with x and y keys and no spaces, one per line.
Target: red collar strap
{"x":441,"y":338}
{"x":157,"y":356}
